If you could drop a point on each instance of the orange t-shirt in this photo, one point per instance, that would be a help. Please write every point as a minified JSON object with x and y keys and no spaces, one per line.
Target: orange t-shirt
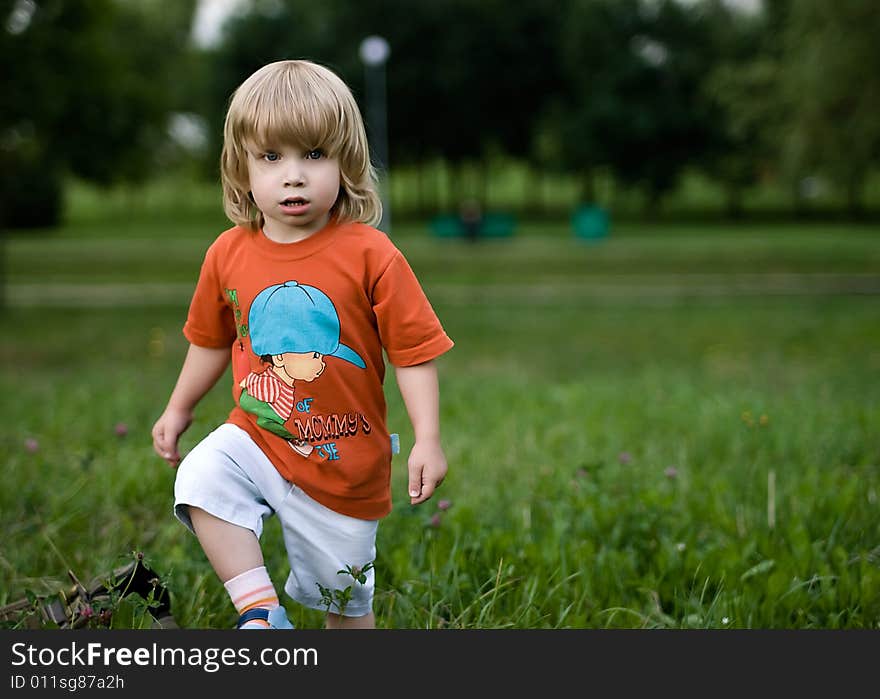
{"x":317,"y":314}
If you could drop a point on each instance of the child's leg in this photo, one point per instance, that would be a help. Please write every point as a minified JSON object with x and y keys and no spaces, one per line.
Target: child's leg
{"x":231,"y":550}
{"x":219,"y":497}
{"x":234,"y":553}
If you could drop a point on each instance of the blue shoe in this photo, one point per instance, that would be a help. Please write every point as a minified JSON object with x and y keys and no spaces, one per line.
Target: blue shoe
{"x":276,"y":617}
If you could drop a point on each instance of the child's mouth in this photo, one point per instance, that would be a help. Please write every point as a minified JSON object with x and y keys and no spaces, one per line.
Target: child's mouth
{"x":295,"y":205}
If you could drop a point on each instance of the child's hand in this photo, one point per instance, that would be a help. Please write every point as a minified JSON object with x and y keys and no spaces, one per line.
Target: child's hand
{"x":167,"y":431}
{"x":427,"y":469}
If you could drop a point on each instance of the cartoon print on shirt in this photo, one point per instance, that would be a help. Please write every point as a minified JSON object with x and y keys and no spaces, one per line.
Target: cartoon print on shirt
{"x":292,"y":328}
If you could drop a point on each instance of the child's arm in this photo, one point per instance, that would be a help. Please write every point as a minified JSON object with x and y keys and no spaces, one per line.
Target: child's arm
{"x":202,"y":368}
{"x":421,"y":394}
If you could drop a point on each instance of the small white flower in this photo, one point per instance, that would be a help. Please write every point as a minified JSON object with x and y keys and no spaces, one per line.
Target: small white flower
{"x":725,"y":620}
{"x":680,"y":546}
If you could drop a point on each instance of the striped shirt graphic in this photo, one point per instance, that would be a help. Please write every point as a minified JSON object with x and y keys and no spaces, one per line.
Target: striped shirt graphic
{"x":268,"y":388}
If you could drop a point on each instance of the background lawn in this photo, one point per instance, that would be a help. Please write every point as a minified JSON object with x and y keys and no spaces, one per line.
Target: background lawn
{"x":676,"y":427}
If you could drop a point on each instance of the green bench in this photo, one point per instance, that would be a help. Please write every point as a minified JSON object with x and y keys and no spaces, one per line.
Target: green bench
{"x":492,"y":225}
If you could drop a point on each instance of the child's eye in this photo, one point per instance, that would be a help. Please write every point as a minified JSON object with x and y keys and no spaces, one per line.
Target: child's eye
{"x":271,"y":157}
{"x":316,"y":154}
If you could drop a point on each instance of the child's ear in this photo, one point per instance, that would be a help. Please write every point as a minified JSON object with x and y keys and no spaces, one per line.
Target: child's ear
{"x":278,"y":360}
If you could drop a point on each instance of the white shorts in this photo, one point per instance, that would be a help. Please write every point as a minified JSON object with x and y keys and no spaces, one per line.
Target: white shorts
{"x":229,"y":476}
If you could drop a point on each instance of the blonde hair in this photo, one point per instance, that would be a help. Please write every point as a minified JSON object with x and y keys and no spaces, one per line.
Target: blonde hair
{"x":302,"y":104}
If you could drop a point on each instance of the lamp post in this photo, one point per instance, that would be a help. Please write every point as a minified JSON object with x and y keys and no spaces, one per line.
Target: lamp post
{"x":374,"y":52}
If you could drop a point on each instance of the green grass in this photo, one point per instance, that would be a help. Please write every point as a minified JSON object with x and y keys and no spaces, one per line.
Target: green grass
{"x":678,"y":427}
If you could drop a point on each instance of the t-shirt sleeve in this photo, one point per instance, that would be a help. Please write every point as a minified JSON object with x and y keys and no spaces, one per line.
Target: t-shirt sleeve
{"x":210,"y":321}
{"x":409,"y":329}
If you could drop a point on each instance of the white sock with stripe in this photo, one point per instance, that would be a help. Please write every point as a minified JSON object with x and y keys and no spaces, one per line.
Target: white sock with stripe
{"x":250,"y":590}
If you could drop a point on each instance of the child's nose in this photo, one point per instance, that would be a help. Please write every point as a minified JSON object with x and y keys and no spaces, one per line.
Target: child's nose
{"x":294,"y":173}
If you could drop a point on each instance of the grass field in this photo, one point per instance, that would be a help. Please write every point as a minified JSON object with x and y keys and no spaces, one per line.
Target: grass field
{"x":676,"y":427}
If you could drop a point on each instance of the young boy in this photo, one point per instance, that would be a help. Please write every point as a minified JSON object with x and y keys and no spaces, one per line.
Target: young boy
{"x":305,"y":295}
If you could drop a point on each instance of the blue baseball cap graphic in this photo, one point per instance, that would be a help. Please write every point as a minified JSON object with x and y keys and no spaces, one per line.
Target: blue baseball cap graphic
{"x":293,"y":317}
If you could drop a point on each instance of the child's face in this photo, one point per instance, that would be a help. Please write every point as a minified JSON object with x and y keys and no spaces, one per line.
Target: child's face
{"x":294,"y":189}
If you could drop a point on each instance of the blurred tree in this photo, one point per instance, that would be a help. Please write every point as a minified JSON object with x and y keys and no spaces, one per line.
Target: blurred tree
{"x":831,"y":81}
{"x":633,"y":100}
{"x":746,"y":109}
{"x":88,"y":91}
